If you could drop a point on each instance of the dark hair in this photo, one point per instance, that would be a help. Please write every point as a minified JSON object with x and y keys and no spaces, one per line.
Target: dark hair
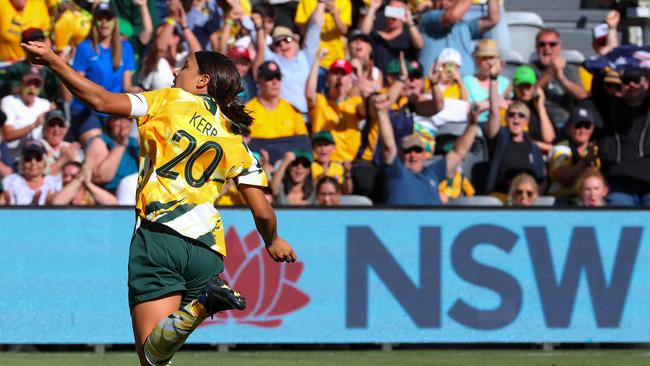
{"x":224,"y":86}
{"x":328,"y":180}
{"x":265,"y":10}
{"x":307,"y":185}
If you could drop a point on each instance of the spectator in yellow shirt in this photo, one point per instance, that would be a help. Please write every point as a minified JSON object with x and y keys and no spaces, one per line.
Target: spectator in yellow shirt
{"x":336,"y":111}
{"x":15,"y":17}
{"x":338,"y":17}
{"x":323,"y":166}
{"x":273,"y":116}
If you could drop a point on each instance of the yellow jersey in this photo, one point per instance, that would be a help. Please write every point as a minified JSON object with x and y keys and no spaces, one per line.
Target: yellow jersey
{"x":335,"y":170}
{"x":330,"y":37}
{"x":342,"y":120}
{"x":283,"y":121}
{"x":12,"y":24}
{"x":71,"y":28}
{"x":186,"y":154}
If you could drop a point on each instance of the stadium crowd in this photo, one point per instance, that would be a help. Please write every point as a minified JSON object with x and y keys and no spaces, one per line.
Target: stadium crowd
{"x":388,"y":102}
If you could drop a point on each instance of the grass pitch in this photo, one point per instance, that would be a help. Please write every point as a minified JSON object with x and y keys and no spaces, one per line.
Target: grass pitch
{"x":346,"y":358}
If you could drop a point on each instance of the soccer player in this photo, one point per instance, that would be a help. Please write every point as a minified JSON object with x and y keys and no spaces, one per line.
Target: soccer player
{"x":188,"y":150}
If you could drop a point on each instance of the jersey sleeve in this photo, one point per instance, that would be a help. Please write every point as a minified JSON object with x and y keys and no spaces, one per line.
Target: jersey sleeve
{"x":252,"y":172}
{"x":147,"y":104}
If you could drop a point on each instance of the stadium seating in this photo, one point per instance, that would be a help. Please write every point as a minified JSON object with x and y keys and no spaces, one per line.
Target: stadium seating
{"x":476,"y":201}
{"x":544,"y":201}
{"x":355,"y":200}
{"x":523,"y":26}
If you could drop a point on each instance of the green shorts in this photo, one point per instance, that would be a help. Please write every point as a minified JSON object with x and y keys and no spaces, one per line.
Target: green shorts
{"x":162,"y":262}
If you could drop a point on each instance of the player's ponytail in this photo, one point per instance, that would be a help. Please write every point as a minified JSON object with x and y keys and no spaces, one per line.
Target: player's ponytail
{"x":224,"y":87}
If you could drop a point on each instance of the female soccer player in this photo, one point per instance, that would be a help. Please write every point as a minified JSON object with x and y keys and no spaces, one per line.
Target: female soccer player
{"x":187,"y":152}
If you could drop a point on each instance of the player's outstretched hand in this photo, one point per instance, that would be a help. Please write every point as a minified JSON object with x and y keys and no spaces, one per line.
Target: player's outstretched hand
{"x":281,"y":251}
{"x":39,"y":53}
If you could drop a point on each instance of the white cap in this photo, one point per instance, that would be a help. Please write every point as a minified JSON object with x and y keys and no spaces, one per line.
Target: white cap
{"x":449,"y":55}
{"x":601,"y":30}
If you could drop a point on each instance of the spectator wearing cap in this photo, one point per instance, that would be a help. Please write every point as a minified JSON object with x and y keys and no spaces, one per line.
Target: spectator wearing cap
{"x":592,"y":189}
{"x":328,"y":192}
{"x":57,"y":151}
{"x":369,"y":77}
{"x":31,"y":186}
{"x":337,"y":110}
{"x":410,"y":111}
{"x":323,"y":146}
{"x":165,"y":55}
{"x":25,"y":113}
{"x":286,"y":52}
{"x":408,"y":180}
{"x":52,"y":87}
{"x":512,"y":151}
{"x":78,"y":188}
{"x":105,"y":59}
{"x":444,"y":27}
{"x":6,"y":161}
{"x":540,"y":126}
{"x":570,"y":158}
{"x":241,"y":57}
{"x":114,"y":154}
{"x":612,"y":82}
{"x":451,"y":83}
{"x":561,"y":82}
{"x":624,"y":144}
{"x":292,"y":183}
{"x":337,"y":19}
{"x":274,"y":117}
{"x":487,"y":59}
{"x":392,"y":32}
{"x":15,"y":17}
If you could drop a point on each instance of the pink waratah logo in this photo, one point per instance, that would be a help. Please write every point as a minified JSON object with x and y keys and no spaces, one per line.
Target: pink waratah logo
{"x":269,"y":287}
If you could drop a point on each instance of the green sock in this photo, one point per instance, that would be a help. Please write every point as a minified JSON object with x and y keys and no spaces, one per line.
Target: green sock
{"x":172,"y":332}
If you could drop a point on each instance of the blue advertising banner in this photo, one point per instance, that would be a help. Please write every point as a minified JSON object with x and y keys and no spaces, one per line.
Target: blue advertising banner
{"x":363,"y":276}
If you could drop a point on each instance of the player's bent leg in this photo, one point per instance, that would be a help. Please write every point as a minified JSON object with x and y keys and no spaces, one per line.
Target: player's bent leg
{"x":146,"y":317}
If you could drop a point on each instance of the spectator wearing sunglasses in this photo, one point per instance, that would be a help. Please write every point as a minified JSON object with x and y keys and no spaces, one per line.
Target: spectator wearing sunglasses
{"x":625,"y":142}
{"x":512,"y":151}
{"x":409,"y":181}
{"x":286,"y":52}
{"x":25,"y":113}
{"x":31,"y":186}
{"x":571,"y":158}
{"x":292,"y":183}
{"x":57,"y":151}
{"x":560,"y":81}
{"x":274,"y":116}
{"x":523,"y":191}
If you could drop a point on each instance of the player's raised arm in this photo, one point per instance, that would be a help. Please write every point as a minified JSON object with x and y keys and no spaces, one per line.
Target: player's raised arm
{"x":91,"y":94}
{"x":266,"y":224}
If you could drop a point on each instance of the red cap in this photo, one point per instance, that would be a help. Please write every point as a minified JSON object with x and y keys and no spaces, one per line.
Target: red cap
{"x":239,"y":52}
{"x":341,"y":65}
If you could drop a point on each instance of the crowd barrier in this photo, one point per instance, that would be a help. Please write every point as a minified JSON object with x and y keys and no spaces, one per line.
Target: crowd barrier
{"x":363,"y":276}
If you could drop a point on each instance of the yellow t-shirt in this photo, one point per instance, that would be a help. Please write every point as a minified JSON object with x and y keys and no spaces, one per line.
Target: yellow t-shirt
{"x":13,"y":23}
{"x":342,"y":120}
{"x":452,"y":91}
{"x":335,"y":170}
{"x":71,"y":28}
{"x":186,"y":155}
{"x":284,"y":121}
{"x":330,"y":37}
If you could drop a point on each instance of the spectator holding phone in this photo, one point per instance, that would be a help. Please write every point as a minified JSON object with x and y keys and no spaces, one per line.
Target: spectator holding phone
{"x":391,"y":33}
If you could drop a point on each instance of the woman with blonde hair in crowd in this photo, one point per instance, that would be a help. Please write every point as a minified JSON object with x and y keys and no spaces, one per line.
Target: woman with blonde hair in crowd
{"x":106,"y":59}
{"x":523,"y":191}
{"x":592,"y":189}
